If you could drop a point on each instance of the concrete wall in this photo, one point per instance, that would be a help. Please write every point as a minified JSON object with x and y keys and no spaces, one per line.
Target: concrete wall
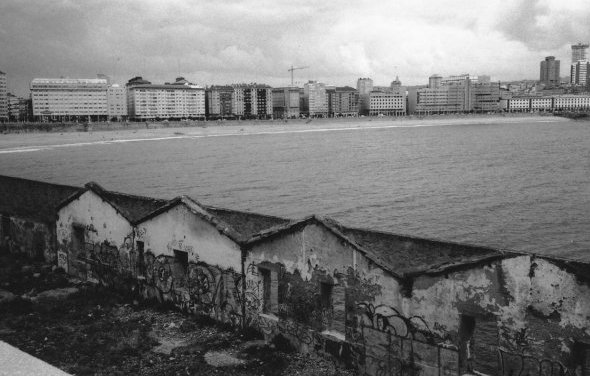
{"x":108,"y":239}
{"x":209,"y":282}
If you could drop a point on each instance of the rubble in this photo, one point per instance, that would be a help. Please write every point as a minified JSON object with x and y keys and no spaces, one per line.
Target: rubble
{"x":91,"y":330}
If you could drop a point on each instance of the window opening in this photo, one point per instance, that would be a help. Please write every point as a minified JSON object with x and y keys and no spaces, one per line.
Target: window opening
{"x":79,"y":238}
{"x":265,"y":274}
{"x":140,"y":260}
{"x":181,"y":257}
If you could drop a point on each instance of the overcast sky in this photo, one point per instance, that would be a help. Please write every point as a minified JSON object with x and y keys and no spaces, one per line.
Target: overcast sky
{"x":217,"y":42}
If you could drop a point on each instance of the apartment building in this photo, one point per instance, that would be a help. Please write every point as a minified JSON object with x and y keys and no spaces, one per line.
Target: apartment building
{"x":387,"y":103}
{"x":519,"y":104}
{"x":117,"y":102}
{"x":453,"y":94}
{"x":178,"y":100}
{"x":286,"y":102}
{"x":486,"y":97}
{"x":219,"y":103}
{"x":579,"y":72}
{"x":451,"y":98}
{"x":345,"y":101}
{"x":13,"y":107}
{"x":314,"y":99}
{"x":571,"y":102}
{"x":3,"y":97}
{"x":252,"y":101}
{"x":69,"y":98}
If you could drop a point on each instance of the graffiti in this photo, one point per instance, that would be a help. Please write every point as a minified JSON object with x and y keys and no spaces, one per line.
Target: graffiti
{"x":62,"y":260}
{"x":267,"y":326}
{"x":388,"y":319}
{"x":162,"y":274}
{"x":252,"y":269}
{"x":302,"y":333}
{"x":198,"y":288}
{"x":514,"y":364}
{"x":390,"y":343}
{"x":195,"y":288}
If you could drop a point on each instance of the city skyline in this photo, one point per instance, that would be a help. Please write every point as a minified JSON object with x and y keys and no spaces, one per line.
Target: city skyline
{"x":257,"y":41}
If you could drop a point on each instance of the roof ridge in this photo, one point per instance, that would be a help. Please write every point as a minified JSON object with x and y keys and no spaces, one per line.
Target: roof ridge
{"x":133,"y":196}
{"x":246,"y":212}
{"x":426,"y":239}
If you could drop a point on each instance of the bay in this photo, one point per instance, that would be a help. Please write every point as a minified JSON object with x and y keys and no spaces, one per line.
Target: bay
{"x":522,"y":185}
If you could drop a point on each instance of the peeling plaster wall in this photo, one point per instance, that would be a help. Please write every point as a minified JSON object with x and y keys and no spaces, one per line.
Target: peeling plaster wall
{"x":210,"y":283}
{"x":34,"y":239}
{"x":298,"y":263}
{"x":103,"y":226}
{"x":528,"y":313}
{"x":180,"y":229}
{"x":559,"y":311}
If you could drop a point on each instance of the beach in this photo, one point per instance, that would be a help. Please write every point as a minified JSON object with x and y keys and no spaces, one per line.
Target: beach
{"x":104,"y":133}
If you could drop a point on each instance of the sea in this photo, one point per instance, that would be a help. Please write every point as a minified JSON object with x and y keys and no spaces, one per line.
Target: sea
{"x":522,"y":186}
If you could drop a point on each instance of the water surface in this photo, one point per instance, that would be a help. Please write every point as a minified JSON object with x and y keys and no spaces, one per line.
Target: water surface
{"x":523,"y":186}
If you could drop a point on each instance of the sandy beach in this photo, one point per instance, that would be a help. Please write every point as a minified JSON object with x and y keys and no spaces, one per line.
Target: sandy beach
{"x":135,"y":132}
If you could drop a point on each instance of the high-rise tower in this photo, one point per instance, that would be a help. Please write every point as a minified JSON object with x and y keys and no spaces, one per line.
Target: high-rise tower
{"x":364,"y":86}
{"x":3,"y":96}
{"x":550,"y":71}
{"x":579,"y":52}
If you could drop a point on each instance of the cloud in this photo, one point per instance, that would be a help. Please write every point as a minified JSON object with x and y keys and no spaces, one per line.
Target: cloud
{"x":257,"y":40}
{"x":542,"y":24}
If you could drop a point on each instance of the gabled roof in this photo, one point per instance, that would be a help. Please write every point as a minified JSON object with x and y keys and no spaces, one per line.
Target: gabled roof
{"x":328,"y":223}
{"x":402,"y":256}
{"x":30,"y":199}
{"x":200,"y":211}
{"x":246,"y":223}
{"x":131,"y":207}
{"x":411,"y":256}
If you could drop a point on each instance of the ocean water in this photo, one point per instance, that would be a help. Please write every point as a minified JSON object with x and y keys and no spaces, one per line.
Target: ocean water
{"x":522,"y":186}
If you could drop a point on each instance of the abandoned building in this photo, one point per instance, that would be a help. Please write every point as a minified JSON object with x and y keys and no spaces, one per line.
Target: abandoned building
{"x":27,"y":216}
{"x":383,"y":303}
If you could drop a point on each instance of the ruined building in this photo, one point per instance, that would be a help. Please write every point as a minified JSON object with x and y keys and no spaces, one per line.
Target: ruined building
{"x":382,"y":303}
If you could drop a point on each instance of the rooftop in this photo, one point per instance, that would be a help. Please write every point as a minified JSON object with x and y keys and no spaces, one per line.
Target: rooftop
{"x":133,"y":207}
{"x":408,"y":256}
{"x":165,"y":86}
{"x":32,"y":199}
{"x":403,"y":256}
{"x":129,"y":206}
{"x":246,"y":223}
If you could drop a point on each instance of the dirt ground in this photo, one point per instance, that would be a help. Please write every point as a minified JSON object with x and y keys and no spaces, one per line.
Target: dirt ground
{"x":90,"y":330}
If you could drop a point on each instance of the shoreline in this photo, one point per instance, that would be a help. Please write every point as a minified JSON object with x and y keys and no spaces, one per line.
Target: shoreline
{"x":39,"y":140}
{"x":38,"y":127}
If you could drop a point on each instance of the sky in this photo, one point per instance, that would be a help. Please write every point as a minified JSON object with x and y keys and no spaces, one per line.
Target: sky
{"x":224,"y":42}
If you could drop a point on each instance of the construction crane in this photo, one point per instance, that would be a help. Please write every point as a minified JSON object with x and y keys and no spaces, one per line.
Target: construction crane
{"x":293,"y":69}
